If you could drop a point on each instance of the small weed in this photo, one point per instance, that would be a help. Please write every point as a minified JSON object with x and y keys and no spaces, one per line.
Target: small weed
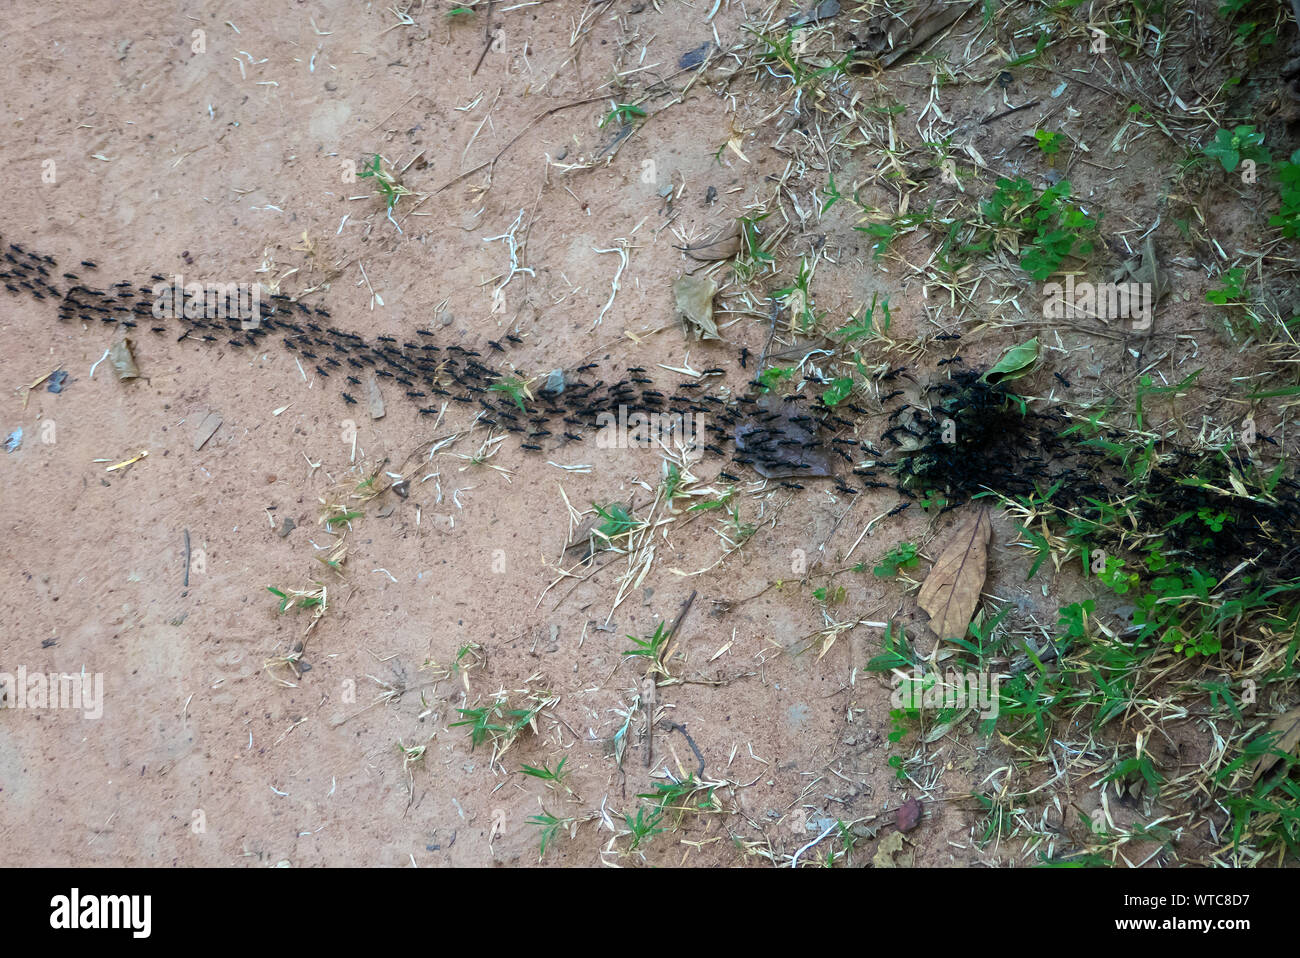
{"x":1050,"y":143}
{"x":551,"y":827}
{"x":622,"y":113}
{"x":1046,"y":226}
{"x":1287,"y":218}
{"x":615,"y":522}
{"x":514,"y":387}
{"x":546,"y":774}
{"x":651,"y":648}
{"x":643,"y":828}
{"x":902,"y":556}
{"x":1230,"y":147}
{"x":389,"y":188}
{"x":867,"y":327}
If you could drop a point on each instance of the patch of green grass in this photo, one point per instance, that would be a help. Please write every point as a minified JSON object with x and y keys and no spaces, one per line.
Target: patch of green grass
{"x":772,"y":376}
{"x":643,"y":827}
{"x":867,"y":326}
{"x":297,"y":599}
{"x":798,"y":298}
{"x":515,"y":388}
{"x":497,"y":723}
{"x":389,"y":188}
{"x":1287,"y":217}
{"x":651,"y":648}
{"x":551,"y":827}
{"x":839,"y":390}
{"x":752,"y":257}
{"x":622,"y":113}
{"x":830,"y":596}
{"x":546,"y":773}
{"x":897,"y":651}
{"x":1049,"y":228}
{"x":680,"y":797}
{"x":615,"y":521}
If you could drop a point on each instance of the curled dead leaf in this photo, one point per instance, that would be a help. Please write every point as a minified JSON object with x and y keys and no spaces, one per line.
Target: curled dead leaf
{"x":693,"y":297}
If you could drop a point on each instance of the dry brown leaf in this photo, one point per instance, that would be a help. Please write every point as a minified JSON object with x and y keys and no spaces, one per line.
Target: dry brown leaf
{"x":693,"y":297}
{"x":952,"y":589}
{"x":891,"y":845}
{"x":1287,"y":736}
{"x":724,"y":244}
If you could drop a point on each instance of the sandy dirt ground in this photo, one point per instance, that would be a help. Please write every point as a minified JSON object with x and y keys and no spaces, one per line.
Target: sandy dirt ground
{"x":215,"y":141}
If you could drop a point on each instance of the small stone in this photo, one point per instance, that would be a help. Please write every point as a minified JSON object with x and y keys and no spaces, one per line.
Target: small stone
{"x":909,"y":815}
{"x":554,"y":382}
{"x":286,"y":528}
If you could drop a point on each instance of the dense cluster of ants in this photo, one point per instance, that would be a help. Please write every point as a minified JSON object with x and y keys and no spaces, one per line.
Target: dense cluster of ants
{"x":958,"y":436}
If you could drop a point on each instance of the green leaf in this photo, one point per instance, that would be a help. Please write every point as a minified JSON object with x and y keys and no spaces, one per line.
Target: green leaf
{"x":1015,"y":362}
{"x":839,"y":391}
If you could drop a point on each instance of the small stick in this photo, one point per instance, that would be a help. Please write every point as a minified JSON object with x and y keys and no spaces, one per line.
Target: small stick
{"x":775,"y":312}
{"x":1015,"y":109}
{"x":187,"y":558}
{"x":487,"y":37}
